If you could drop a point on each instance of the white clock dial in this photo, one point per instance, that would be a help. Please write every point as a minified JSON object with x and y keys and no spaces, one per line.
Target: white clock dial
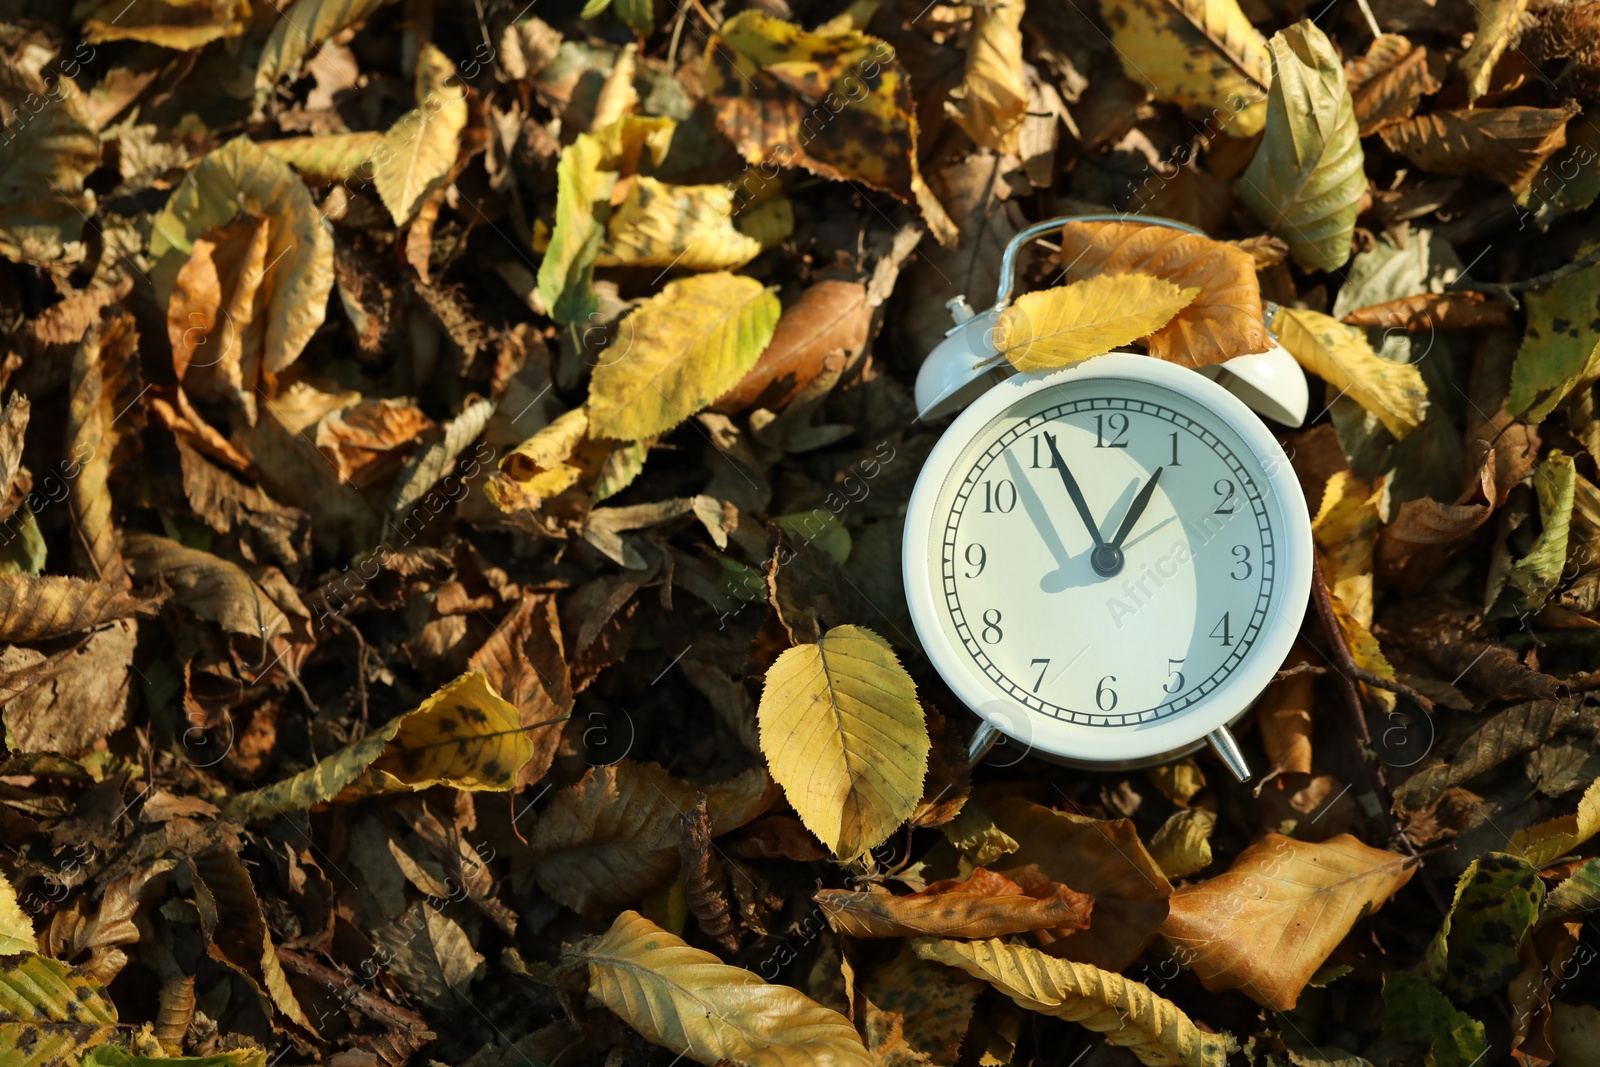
{"x":1105,"y":554}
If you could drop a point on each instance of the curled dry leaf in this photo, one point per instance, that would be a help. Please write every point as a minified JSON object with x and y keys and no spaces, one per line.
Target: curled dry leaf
{"x":1223,"y":321}
{"x":985,"y":904}
{"x":1508,"y":143}
{"x":420,"y":148}
{"x":844,"y":735}
{"x":1126,"y":1012}
{"x":1055,"y":328}
{"x":691,"y":1003}
{"x":1536,"y":575}
{"x":1306,"y":179}
{"x":98,"y":364}
{"x":1200,"y":54}
{"x":830,"y":316}
{"x":1429,"y":311}
{"x":1266,"y":925}
{"x":992,"y":101}
{"x":1388,"y":82}
{"x":302,"y":29}
{"x":1497,"y":25}
{"x":185,"y":25}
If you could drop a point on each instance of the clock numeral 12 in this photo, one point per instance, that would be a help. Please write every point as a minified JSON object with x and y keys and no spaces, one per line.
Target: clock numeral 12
{"x":1118,"y":424}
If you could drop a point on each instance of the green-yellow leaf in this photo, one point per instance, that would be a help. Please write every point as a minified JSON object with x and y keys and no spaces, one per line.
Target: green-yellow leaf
{"x":691,"y":1003}
{"x":1544,"y":843}
{"x":43,"y":163}
{"x":464,"y":736}
{"x":1128,"y":1013}
{"x":678,"y":351}
{"x":1475,"y":952}
{"x":1202,"y":55}
{"x":1306,"y":179}
{"x":16,"y":928}
{"x":1536,"y":575}
{"x":1055,"y":328}
{"x":1578,"y":894}
{"x":1413,"y":1010}
{"x":1560,"y":351}
{"x":844,"y":735}
{"x":1497,"y":21}
{"x":1341,"y":356}
{"x":332,"y":157}
{"x":48,"y":1011}
{"x":184,"y":25}
{"x":303,"y":29}
{"x":421,"y":147}
{"x":689,"y":226}
{"x":291,"y":299}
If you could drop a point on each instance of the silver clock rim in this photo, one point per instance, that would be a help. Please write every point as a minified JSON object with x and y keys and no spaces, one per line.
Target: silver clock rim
{"x":1100,"y":745}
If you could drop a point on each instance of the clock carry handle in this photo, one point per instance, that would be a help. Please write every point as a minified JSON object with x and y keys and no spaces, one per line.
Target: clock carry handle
{"x":1271,"y":383}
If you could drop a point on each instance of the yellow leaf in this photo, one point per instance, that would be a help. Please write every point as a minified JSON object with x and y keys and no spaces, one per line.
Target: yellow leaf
{"x":290,"y":300}
{"x":691,"y":1003}
{"x":43,"y":163}
{"x":1341,"y":356}
{"x":48,"y":1011}
{"x":420,"y":148}
{"x":836,"y":103}
{"x":541,"y":464}
{"x":16,"y":928}
{"x":613,"y":837}
{"x":1202,"y":55}
{"x":1183,"y":844}
{"x":1055,"y":328}
{"x":185,"y":25}
{"x":1130,"y":1016}
{"x":331,"y":157}
{"x":301,"y":29}
{"x":985,"y":904}
{"x":464,"y":736}
{"x":1306,"y":179}
{"x":689,"y":226}
{"x":992,"y":102}
{"x":844,"y":735}
{"x":1272,"y":920}
{"x":678,"y":351}
{"x":1346,"y":534}
{"x":1536,"y":575}
{"x":1497,"y":23}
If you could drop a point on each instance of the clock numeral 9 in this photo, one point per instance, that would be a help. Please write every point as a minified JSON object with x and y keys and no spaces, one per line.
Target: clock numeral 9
{"x":1105,"y":698}
{"x":1001,"y":496}
{"x":1174,"y":676}
{"x":1117,"y":424}
{"x":1225,"y":636}
{"x":1242,"y":554}
{"x":978,"y":564}
{"x":992,"y":624}
{"x":1225,"y":490}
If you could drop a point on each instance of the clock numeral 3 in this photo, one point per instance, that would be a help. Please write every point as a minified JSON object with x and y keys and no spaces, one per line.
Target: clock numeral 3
{"x":999,"y":496}
{"x":1105,"y":698}
{"x":1225,"y":636}
{"x":1242,"y":554}
{"x":1117,"y":424}
{"x":1174,"y":676}
{"x":979,"y":563}
{"x":1043,"y":665}
{"x":992,"y":624}
{"x":1225,"y":490}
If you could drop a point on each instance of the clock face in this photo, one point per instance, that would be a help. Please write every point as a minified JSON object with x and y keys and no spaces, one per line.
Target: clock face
{"x":1118,"y":560}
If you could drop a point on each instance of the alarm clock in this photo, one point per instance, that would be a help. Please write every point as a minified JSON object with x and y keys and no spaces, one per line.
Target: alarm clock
{"x":1107,"y":563}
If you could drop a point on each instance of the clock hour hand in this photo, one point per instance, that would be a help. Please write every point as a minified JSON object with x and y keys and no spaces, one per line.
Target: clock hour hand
{"x":1074,"y":492}
{"x":1136,"y":509}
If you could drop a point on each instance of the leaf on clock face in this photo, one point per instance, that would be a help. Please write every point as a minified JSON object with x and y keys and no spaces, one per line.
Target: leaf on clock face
{"x":1497,"y":24}
{"x":678,"y":351}
{"x":1127,"y":1013}
{"x":1103,"y":858}
{"x":1272,"y":920}
{"x":1506,"y":143}
{"x":421,"y":147}
{"x":1536,"y":575}
{"x":1388,"y":82}
{"x":764,"y":79}
{"x":1306,"y":179}
{"x":985,"y":904}
{"x":1053,"y":328}
{"x":1560,"y":351}
{"x":1341,"y":356}
{"x":692,"y":1004}
{"x":1202,"y":55}
{"x":993,"y":99}
{"x":1223,"y":320}
{"x":844,"y":735}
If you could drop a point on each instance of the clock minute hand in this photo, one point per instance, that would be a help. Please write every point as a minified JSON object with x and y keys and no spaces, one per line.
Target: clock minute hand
{"x":1073,"y":491}
{"x":1136,"y":508}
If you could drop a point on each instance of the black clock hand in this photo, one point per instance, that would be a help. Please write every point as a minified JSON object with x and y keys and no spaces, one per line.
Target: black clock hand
{"x":1136,"y":508}
{"x":1073,"y":491}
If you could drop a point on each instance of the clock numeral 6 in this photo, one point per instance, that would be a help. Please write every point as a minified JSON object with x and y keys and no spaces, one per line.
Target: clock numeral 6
{"x":979,"y":563}
{"x":1105,"y":698}
{"x":1117,"y":424}
{"x":992,"y":624}
{"x":1242,"y":554}
{"x":1174,"y":676}
{"x":1001,"y":497}
{"x":1221,"y":632}
{"x":1225,"y":490}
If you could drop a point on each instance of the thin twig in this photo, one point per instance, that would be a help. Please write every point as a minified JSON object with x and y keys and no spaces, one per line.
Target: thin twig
{"x":351,"y":992}
{"x":1538,"y":281}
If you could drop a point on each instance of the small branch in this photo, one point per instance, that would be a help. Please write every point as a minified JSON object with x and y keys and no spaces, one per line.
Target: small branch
{"x":350,"y":992}
{"x":1299,"y":668}
{"x":1538,"y":281}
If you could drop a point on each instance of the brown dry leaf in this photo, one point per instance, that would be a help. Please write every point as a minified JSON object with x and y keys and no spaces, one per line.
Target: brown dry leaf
{"x":228,"y":505}
{"x":985,"y":904}
{"x":367,"y":442}
{"x":43,"y":163}
{"x":523,"y":662}
{"x":1222,"y":322}
{"x":830,"y":316}
{"x":69,"y":702}
{"x":611,"y":838}
{"x":1387,"y":83}
{"x":212,"y":588}
{"x":34,"y":608}
{"x":1104,"y":859}
{"x":1273,"y":919}
{"x":1284,"y":715}
{"x":1508,"y":143}
{"x":992,"y":101}
{"x":915,"y":1013}
{"x":97,"y":367}
{"x":1428,"y":311}
{"x":100,"y":933}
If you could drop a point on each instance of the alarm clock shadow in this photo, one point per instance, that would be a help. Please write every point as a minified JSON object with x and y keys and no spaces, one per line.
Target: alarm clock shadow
{"x":1072,"y":571}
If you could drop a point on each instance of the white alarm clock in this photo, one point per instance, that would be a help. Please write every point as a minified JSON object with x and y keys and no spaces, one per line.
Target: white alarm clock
{"x":1107,"y":563}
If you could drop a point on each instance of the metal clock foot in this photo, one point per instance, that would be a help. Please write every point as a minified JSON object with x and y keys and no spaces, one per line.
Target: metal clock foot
{"x":983,"y":739}
{"x":1227,"y":750}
